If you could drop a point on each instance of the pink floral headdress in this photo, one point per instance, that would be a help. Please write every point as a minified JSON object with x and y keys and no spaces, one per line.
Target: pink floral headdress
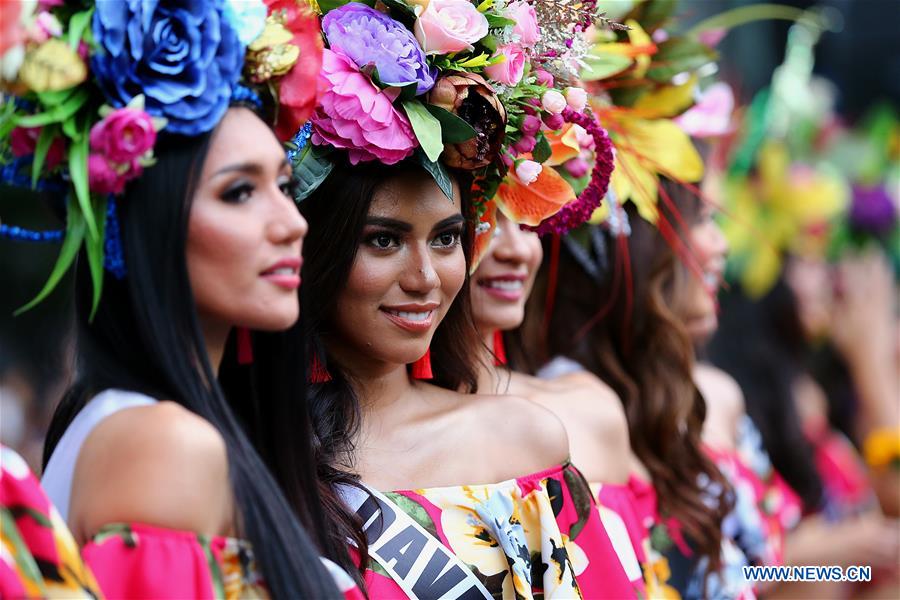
{"x":455,"y":84}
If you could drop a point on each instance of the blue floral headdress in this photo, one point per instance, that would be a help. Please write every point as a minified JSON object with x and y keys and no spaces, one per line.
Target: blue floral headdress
{"x":86,"y":88}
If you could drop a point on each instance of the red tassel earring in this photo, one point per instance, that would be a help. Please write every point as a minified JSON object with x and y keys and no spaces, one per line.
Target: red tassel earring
{"x":421,"y":369}
{"x":317,"y":371}
{"x":499,"y":349}
{"x":244,"y":346}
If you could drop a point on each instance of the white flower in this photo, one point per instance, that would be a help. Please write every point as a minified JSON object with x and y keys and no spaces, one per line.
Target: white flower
{"x":247,"y":17}
{"x":553,"y":102}
{"x":528,"y":171}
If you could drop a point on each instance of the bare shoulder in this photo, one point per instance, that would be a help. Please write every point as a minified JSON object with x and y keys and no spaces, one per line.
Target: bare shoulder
{"x":724,"y":404}
{"x":596,"y":423}
{"x":531,"y":432}
{"x":160,"y":465}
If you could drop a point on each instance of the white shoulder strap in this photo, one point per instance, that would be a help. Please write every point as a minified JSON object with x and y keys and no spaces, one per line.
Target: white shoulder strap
{"x":57,"y":478}
{"x":420,"y":564}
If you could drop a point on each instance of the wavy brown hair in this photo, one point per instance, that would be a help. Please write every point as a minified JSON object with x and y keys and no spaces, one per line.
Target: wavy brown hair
{"x":623,"y":326}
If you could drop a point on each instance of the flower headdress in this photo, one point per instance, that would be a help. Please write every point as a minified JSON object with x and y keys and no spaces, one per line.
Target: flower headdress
{"x":453,"y":84}
{"x":87,"y":88}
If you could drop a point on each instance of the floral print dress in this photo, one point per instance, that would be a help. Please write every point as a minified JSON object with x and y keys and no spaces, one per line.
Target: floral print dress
{"x":538,"y":536}
{"x":38,"y":555}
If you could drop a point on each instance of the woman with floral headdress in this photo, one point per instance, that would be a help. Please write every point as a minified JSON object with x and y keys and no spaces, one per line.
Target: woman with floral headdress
{"x":180,"y":204}
{"x":475,"y":493}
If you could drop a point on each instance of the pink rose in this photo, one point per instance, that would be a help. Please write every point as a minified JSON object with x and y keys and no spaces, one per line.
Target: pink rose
{"x":23,"y":141}
{"x":530,"y":125}
{"x":103,"y":178}
{"x":528,"y":171}
{"x":526,"y":26}
{"x":576,"y":98}
{"x":510,"y":71}
{"x":124,"y":135}
{"x":450,"y":26}
{"x":544,"y":78}
{"x":355,"y":114}
{"x":553,"y":102}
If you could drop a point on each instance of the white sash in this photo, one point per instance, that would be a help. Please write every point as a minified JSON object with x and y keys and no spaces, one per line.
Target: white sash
{"x":420,"y":564}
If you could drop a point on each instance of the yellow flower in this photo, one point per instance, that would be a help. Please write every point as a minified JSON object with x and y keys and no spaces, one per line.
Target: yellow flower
{"x":271,"y":54}
{"x":51,"y":67}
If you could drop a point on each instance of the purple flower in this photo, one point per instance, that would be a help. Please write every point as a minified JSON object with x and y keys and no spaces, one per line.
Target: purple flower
{"x":872,"y":209}
{"x":369,"y":37}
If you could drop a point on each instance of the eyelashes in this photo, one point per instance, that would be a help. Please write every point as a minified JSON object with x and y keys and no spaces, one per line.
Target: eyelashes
{"x":387,"y":240}
{"x":242,"y":190}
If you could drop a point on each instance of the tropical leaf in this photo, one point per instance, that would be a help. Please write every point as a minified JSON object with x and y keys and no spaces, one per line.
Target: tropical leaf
{"x":677,"y":55}
{"x":437,"y":171}
{"x":94,"y":248}
{"x":40,"y":152}
{"x":58,"y":113}
{"x":667,"y":101}
{"x":78,"y":159}
{"x":542,"y":150}
{"x":416,"y":511}
{"x":600,"y":65}
{"x":79,"y":22}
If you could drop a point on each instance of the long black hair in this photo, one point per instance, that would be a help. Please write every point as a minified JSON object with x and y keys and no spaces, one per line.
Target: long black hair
{"x":336,"y":213}
{"x":761,"y":343}
{"x":146,"y":337}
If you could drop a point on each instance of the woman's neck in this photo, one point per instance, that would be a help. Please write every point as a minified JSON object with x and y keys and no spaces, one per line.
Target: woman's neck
{"x":215,"y":335}
{"x":488,"y":374}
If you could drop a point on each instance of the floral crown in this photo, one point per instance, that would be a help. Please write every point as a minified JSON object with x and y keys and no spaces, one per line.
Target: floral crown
{"x":87,"y":88}
{"x":484,"y":87}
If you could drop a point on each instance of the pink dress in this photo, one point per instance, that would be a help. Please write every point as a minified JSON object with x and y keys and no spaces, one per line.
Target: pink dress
{"x":537,"y":536}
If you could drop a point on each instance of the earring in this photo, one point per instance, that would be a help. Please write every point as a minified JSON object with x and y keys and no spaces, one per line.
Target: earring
{"x":499,"y":349}
{"x":317,"y":371}
{"x":421,"y":369}
{"x":244,"y":346}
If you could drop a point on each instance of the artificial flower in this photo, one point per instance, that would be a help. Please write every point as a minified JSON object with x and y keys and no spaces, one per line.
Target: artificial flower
{"x":103,"y":177}
{"x":526,"y":27}
{"x":51,"y":67}
{"x":296,"y":98}
{"x":510,"y":69}
{"x":354,"y":114}
{"x":553,"y":102}
{"x":872,"y":210}
{"x":711,"y":115}
{"x":188,"y":76}
{"x":11,"y":30}
{"x":469,"y":96}
{"x":576,"y":98}
{"x":447,"y":26}
{"x":271,"y":54}
{"x":247,"y":17}
{"x":123,"y":135}
{"x":23,"y":141}
{"x":369,"y":37}
{"x":528,"y":171}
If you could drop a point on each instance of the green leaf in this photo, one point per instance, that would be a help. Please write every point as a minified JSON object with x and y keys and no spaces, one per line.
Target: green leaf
{"x":311,"y":170}
{"x":78,"y":158}
{"x":40,"y":152}
{"x":454,"y":129}
{"x":327,"y":5}
{"x":654,"y":13}
{"x":437,"y":171}
{"x":58,"y":113}
{"x":94,"y":249}
{"x":497,"y":22}
{"x":601,"y":66}
{"x":75,"y":230}
{"x":542,"y":149}
{"x":426,"y":127}
{"x":677,"y":55}
{"x":77,"y":24}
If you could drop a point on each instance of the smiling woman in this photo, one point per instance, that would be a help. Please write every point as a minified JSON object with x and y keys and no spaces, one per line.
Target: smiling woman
{"x":387,"y":292}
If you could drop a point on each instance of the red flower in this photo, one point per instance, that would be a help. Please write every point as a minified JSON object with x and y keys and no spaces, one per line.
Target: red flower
{"x":297,"y":89}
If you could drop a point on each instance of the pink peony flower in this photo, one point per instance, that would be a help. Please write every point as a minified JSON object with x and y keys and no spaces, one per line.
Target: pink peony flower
{"x":103,"y":178}
{"x":526,"y":26}
{"x":450,"y":26}
{"x":553,"y":102}
{"x":124,"y":135}
{"x":510,"y":71}
{"x":528,"y":171}
{"x":355,"y":114}
{"x":576,"y":98}
{"x":23,"y":141}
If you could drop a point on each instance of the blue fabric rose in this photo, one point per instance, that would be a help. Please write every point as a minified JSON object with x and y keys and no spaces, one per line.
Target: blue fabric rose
{"x":368,"y":37}
{"x":184,"y":57}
